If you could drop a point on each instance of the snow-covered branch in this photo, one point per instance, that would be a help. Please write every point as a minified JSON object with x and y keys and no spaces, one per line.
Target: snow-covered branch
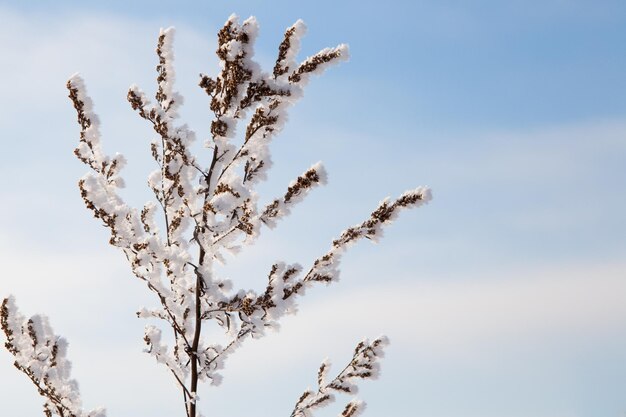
{"x":296,"y":192}
{"x":363,"y":365}
{"x":41,"y":356}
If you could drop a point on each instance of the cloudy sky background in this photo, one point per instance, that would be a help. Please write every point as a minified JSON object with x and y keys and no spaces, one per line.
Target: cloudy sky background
{"x":504,"y":297}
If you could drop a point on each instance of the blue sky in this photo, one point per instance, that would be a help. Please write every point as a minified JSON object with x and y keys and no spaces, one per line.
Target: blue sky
{"x":503,"y":297}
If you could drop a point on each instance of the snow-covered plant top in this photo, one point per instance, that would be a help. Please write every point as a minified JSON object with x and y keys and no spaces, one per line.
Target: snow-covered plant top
{"x":205,"y":212}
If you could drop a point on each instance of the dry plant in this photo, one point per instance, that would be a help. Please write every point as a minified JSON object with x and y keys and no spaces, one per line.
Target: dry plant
{"x":204,"y":213}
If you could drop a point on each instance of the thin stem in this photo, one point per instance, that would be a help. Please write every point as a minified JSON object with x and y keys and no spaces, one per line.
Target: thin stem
{"x":231,"y":344}
{"x":163,"y":197}
{"x":242,"y":148}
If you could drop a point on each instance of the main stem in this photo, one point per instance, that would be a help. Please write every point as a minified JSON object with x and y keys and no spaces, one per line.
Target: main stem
{"x":196,"y":341}
{"x":193,"y":355}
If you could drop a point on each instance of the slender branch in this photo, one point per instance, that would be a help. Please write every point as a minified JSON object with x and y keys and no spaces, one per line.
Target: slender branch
{"x":186,"y":392}
{"x":239,"y":336}
{"x":45,"y":392}
{"x":163,"y":301}
{"x":163,"y":200}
